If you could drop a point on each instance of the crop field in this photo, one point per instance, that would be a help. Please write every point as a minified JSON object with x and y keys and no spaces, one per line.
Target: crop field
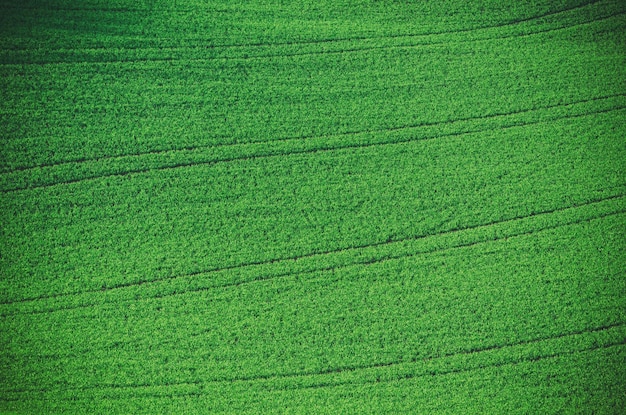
{"x":317,"y":207}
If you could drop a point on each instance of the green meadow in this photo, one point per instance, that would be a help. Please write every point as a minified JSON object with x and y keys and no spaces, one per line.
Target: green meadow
{"x":329,"y":207}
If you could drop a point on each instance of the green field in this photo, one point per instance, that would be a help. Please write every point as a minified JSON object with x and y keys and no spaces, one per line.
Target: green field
{"x":325,"y":207}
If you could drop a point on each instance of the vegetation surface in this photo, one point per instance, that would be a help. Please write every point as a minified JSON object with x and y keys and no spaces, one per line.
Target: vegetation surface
{"x":312,"y":207}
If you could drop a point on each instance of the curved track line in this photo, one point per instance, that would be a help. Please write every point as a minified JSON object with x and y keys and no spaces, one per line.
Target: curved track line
{"x":342,"y":369}
{"x":309,"y":271}
{"x":513,"y":22}
{"x":340,"y":383}
{"x":313,"y":53}
{"x":331,"y":40}
{"x":309,"y":137}
{"x":324,"y":253}
{"x":313,"y":150}
{"x":438,"y":373}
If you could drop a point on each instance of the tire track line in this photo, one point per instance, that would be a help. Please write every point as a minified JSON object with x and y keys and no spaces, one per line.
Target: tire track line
{"x":132,"y":344}
{"x":309,"y":137}
{"x":441,"y":373}
{"x":325,"y":253}
{"x":342,"y":383}
{"x":470,"y":352}
{"x":343,"y":369}
{"x":314,"y":41}
{"x":312,"y":53}
{"x":372,"y":48}
{"x":271,"y":153}
{"x":287,"y":274}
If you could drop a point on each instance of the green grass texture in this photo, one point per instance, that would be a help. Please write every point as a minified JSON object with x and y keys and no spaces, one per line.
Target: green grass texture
{"x":312,"y":207}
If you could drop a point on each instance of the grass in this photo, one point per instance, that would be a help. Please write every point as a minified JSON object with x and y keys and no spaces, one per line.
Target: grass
{"x":322,"y":207}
